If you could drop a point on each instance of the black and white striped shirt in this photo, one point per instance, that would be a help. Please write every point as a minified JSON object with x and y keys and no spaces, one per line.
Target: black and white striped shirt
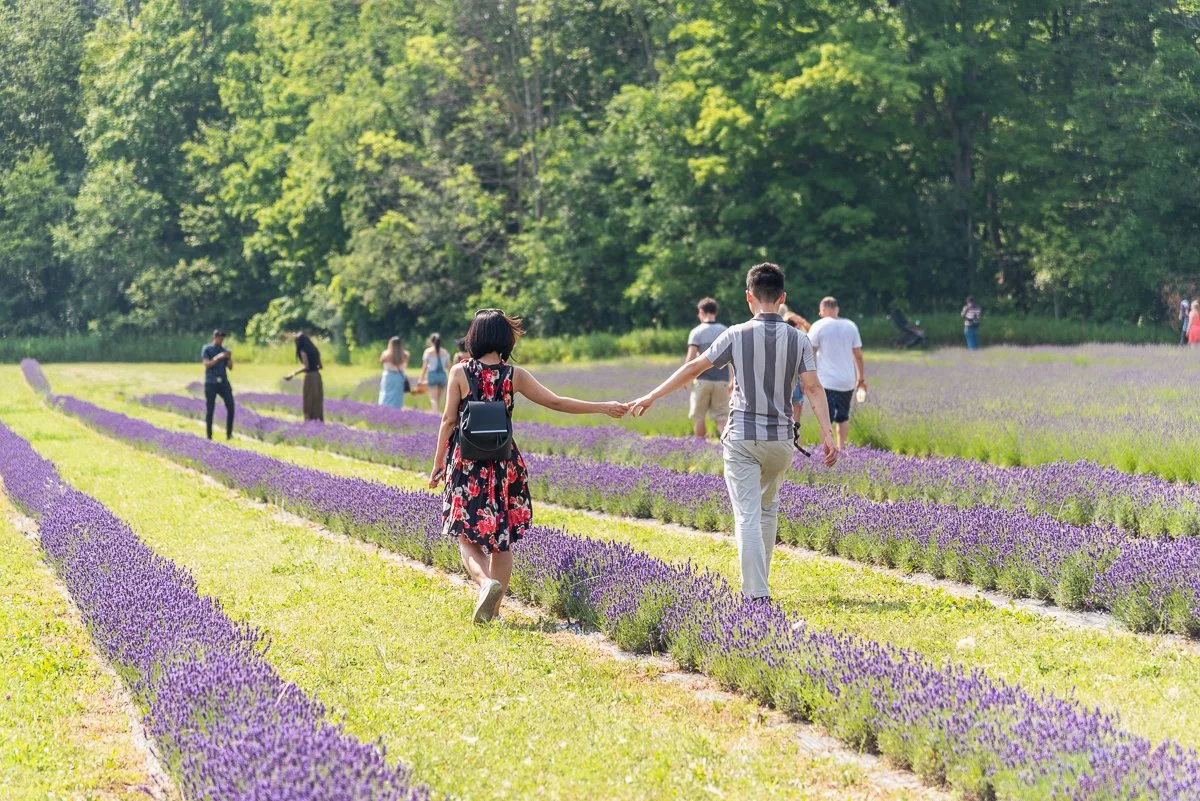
{"x":768,"y":356}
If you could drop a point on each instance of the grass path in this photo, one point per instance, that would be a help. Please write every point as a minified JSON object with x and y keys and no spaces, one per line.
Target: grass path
{"x":65,"y":731}
{"x":1153,"y":682}
{"x":392,"y":650}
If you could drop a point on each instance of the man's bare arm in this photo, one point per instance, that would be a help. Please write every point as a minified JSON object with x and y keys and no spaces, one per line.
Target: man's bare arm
{"x":685,"y":375}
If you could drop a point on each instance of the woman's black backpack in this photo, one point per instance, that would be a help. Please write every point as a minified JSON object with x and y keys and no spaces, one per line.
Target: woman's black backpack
{"x":485,"y":427}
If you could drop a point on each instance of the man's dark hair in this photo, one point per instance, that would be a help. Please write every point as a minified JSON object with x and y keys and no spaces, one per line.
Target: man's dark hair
{"x":707,"y":306}
{"x":765,"y":282}
{"x":493,"y":331}
{"x":970,"y":300}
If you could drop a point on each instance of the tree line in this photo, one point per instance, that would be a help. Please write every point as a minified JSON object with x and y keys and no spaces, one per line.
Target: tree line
{"x":365,"y":167}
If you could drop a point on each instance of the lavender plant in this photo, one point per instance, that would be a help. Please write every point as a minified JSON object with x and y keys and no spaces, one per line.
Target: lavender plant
{"x":227,"y":725}
{"x":35,"y":377}
{"x":1022,"y":554}
{"x":985,"y":737}
{"x":1076,"y":492}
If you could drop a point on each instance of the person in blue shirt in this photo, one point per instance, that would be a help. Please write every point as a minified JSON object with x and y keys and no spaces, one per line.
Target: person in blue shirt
{"x":217,"y":363}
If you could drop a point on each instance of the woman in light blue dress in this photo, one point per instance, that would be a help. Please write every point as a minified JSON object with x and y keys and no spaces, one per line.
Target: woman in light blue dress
{"x":392,"y":382}
{"x":435,"y":367}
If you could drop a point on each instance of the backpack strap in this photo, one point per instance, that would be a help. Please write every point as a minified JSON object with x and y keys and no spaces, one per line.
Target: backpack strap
{"x":472,"y":387}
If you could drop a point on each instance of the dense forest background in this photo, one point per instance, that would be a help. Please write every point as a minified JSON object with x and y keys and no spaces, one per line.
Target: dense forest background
{"x":370,"y":166}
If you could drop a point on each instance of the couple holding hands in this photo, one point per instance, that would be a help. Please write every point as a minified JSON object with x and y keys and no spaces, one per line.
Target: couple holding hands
{"x":487,"y":507}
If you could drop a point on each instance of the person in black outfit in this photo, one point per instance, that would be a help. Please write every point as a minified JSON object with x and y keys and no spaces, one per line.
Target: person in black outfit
{"x":313,"y":392}
{"x":217,"y":362}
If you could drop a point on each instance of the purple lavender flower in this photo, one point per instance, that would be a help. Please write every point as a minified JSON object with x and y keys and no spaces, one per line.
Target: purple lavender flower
{"x":227,"y":725}
{"x":1076,"y":492}
{"x":988,"y":738}
{"x":35,"y":377}
{"x":1021,"y":553}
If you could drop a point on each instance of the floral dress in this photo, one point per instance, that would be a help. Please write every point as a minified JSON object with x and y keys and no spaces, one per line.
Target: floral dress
{"x":487,"y":502}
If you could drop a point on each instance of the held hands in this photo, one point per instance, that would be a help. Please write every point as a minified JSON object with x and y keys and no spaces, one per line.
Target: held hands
{"x":615,"y":409}
{"x":638,"y":407}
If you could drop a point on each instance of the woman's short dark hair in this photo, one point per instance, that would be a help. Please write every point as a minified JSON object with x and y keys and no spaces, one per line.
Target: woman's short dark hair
{"x":765,"y":282}
{"x":493,"y":331}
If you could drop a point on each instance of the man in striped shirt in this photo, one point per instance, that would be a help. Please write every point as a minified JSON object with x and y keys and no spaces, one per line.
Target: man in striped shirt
{"x":768,"y":357}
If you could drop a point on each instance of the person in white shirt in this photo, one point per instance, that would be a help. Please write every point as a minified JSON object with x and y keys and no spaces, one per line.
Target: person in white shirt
{"x":840,"y":367}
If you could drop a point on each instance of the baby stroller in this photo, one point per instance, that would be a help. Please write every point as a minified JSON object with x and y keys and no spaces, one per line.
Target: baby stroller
{"x":911,"y":336}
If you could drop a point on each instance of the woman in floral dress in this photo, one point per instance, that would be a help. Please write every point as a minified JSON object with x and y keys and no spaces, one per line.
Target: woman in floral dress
{"x":487,"y":506}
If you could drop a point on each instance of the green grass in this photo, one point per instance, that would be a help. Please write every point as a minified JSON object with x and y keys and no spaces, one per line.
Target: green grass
{"x":63,"y":731}
{"x":392,"y":650}
{"x":1152,"y":682}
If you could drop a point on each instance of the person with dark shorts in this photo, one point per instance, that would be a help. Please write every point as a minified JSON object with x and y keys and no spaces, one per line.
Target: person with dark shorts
{"x":217,"y":362}
{"x":796,"y":321}
{"x":840,"y":368}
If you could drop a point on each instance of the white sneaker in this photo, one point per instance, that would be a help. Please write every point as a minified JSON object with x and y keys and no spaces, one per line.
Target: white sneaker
{"x":489,"y":593}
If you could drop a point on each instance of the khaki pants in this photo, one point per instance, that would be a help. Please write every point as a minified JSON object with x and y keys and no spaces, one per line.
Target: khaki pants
{"x":709,"y":399}
{"x":753,"y":470}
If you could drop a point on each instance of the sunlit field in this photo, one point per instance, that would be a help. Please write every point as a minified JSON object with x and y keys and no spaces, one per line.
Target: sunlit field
{"x":1038,"y":586}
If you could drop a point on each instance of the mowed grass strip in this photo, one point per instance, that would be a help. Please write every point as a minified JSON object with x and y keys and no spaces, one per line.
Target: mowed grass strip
{"x":64,"y":733}
{"x":1153,"y":682}
{"x":505,"y":711}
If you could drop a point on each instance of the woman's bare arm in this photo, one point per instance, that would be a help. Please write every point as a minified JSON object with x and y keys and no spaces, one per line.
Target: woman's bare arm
{"x":303,"y":368}
{"x":454,"y":395}
{"x":531,"y":388}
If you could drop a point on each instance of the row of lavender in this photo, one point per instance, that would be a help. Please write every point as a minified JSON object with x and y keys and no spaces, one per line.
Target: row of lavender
{"x":987,"y":738}
{"x":1076,"y":492}
{"x":227,"y":725}
{"x":1150,"y":585}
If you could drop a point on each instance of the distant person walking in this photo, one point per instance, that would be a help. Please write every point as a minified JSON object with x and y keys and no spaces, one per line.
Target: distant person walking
{"x":460,"y":350}
{"x":1185,"y":321}
{"x":487,"y":507}
{"x":971,"y":314}
{"x":1194,"y":324}
{"x":710,"y":390}
{"x":767,"y":356}
{"x":840,"y":366}
{"x":798,"y":322}
{"x":310,"y":364}
{"x":393,"y":383}
{"x":435,"y":361}
{"x":217,"y":362}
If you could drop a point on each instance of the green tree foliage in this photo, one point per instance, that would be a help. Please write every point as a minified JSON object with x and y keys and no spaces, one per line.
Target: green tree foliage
{"x":34,"y":283}
{"x":377,"y":166}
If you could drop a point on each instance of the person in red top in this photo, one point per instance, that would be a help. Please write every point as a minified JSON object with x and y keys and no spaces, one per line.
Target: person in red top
{"x":486,"y":506}
{"x":1194,"y":324}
